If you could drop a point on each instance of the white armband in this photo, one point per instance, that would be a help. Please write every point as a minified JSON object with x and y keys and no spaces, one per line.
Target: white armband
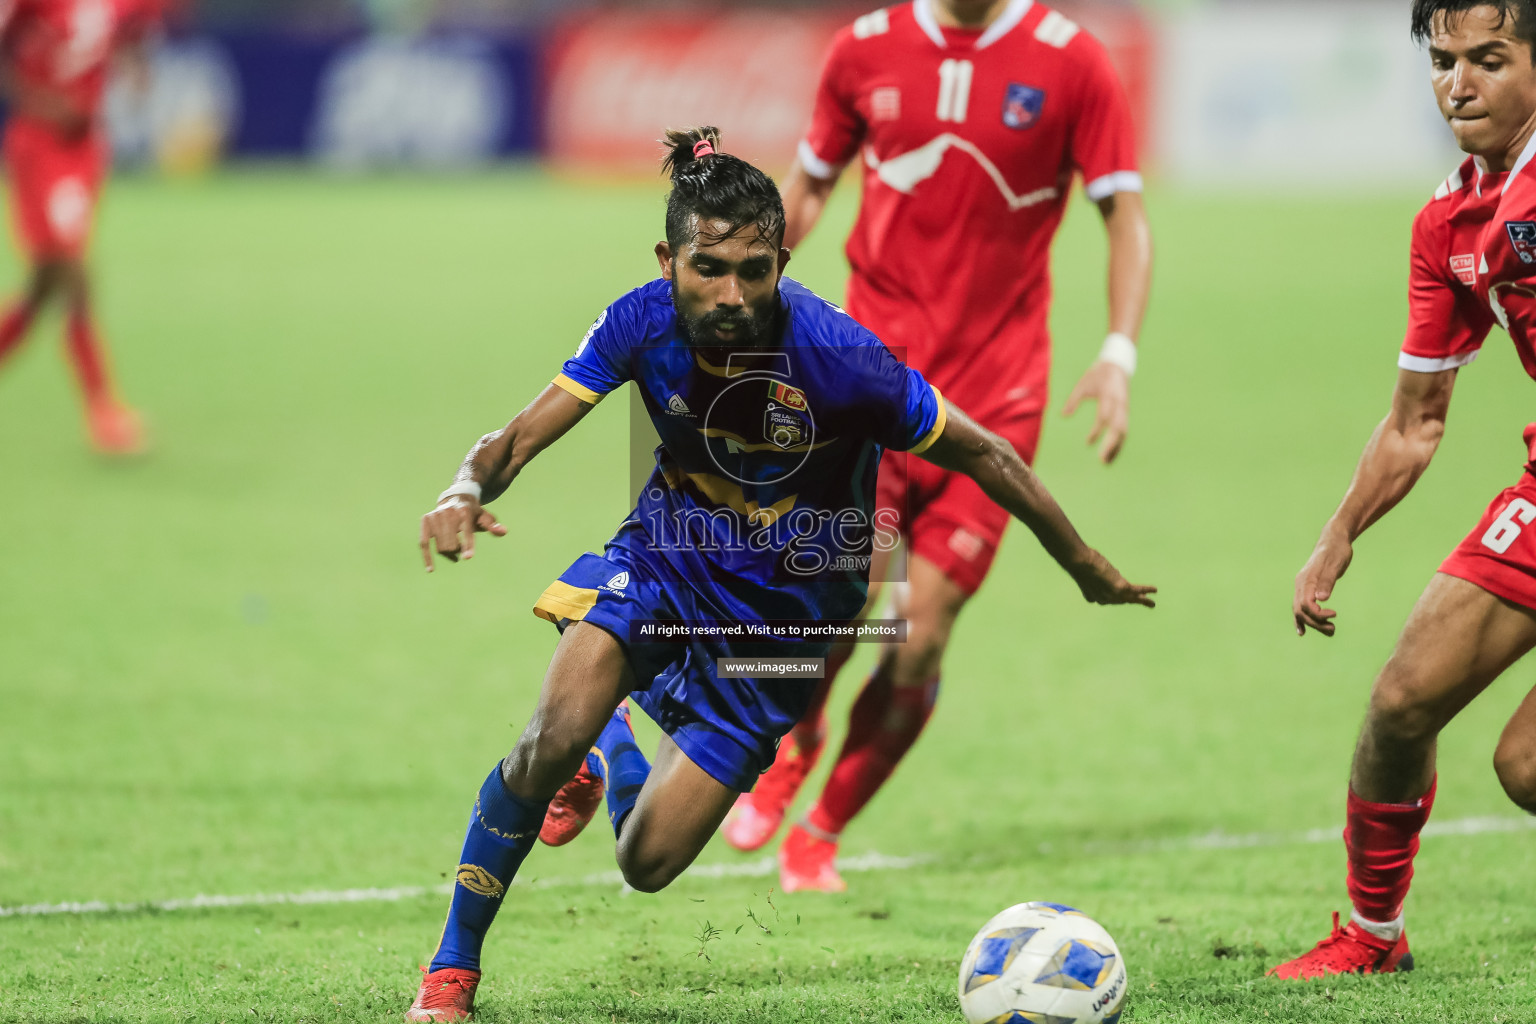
{"x":1120,"y":350}
{"x":464,"y":488}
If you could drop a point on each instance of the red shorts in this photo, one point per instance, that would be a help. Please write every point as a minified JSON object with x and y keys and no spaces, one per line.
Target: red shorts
{"x":54,"y":187}
{"x":1499,"y":555}
{"x":944,"y":516}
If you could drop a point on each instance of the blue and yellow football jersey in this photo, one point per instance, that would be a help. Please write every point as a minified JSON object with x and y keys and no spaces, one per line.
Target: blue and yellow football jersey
{"x":763,"y":495}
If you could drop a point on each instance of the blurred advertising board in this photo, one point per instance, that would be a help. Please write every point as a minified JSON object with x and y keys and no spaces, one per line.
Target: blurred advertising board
{"x":359,"y":100}
{"x":1320,"y":96}
{"x":614,"y":80}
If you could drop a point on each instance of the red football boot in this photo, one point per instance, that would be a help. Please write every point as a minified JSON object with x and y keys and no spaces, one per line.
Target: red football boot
{"x":808,"y":862}
{"x":571,"y":809}
{"x":1348,"y":950}
{"x":115,"y":429}
{"x":576,"y":803}
{"x":758,"y":814}
{"x":448,"y":994}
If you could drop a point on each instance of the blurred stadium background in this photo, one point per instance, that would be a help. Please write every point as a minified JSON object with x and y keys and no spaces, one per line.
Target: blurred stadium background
{"x":350,"y":237}
{"x":1230,"y":93}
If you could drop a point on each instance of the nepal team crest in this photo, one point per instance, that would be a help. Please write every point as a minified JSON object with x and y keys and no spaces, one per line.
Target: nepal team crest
{"x":1522,"y":235}
{"x":1022,"y":105}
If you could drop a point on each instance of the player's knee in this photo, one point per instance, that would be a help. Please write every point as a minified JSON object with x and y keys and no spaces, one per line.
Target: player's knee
{"x":648,"y":870}
{"x":1401,"y":708}
{"x":1516,"y":768}
{"x":918,"y":660}
{"x":648,"y":878}
{"x":46,"y":277}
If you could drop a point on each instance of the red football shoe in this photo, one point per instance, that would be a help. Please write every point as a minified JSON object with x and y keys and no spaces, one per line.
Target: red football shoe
{"x":115,"y":429}
{"x":1348,"y":950}
{"x":448,"y":994}
{"x":571,"y":809}
{"x":576,"y":803}
{"x":808,"y":862}
{"x":758,"y":814}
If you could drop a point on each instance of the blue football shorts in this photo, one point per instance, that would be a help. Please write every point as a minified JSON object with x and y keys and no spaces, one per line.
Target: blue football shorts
{"x":729,"y":727}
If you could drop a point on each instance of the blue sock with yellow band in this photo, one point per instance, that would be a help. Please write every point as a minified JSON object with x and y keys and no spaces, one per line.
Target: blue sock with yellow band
{"x":623,"y":769}
{"x":501,"y":832}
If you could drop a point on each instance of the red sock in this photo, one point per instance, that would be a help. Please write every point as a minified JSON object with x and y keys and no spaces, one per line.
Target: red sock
{"x":85,"y":352}
{"x":1381,"y":840}
{"x":886,"y":721}
{"x":13,"y":327}
{"x":812,"y":727}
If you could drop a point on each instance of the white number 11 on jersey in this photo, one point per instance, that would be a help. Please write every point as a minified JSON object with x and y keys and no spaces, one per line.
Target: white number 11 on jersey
{"x":954,"y":89}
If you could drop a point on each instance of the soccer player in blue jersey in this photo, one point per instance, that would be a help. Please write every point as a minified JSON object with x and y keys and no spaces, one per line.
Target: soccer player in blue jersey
{"x":773,"y":408}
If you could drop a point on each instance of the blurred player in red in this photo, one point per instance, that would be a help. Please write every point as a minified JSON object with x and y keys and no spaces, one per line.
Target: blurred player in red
{"x":971,"y":119}
{"x":55,"y":58}
{"x":1473,"y":265}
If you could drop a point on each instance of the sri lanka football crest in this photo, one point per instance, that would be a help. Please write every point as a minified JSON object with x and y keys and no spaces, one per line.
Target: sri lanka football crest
{"x":785,"y":421}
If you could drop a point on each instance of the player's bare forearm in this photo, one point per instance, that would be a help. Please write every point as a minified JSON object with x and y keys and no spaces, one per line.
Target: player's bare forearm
{"x":492,"y":464}
{"x":1107,"y":383}
{"x":497,"y":458}
{"x":966,"y":447}
{"x":1130,"y":261}
{"x":805,"y":197}
{"x":1399,"y":451}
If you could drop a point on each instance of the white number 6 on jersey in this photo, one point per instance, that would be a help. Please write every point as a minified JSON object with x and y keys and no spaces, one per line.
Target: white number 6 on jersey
{"x":1505,"y":528}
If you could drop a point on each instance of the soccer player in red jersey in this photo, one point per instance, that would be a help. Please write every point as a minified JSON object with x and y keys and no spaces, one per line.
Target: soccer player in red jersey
{"x":55,"y":57}
{"x":1473,"y":265}
{"x":971,"y":118}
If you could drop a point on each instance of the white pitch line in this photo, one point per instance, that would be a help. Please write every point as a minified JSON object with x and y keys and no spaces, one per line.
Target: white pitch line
{"x":760,"y":868}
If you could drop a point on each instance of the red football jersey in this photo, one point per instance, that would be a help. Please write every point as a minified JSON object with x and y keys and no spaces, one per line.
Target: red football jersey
{"x":970,"y":141}
{"x":67,"y":45}
{"x":1473,"y":266}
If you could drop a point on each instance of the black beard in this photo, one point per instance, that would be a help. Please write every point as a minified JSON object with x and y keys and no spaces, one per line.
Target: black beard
{"x":753,"y":330}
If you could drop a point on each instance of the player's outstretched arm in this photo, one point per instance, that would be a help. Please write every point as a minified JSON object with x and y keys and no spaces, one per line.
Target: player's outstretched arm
{"x":805,"y":196}
{"x":489,"y":469}
{"x":966,"y":447}
{"x":1395,"y":457}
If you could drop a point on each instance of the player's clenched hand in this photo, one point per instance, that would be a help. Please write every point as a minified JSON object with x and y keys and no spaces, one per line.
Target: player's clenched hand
{"x":1109,"y":387}
{"x":451,"y":529}
{"x":1101,"y":583}
{"x":1315,"y":582}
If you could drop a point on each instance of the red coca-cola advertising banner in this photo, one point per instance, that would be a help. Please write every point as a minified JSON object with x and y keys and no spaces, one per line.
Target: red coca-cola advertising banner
{"x":614,"y":81}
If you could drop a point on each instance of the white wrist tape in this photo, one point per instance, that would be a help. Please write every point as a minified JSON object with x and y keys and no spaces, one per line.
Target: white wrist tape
{"x":1120,"y":350}
{"x":464,"y":488}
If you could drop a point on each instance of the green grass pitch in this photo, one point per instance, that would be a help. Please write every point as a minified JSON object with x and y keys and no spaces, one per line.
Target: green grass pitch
{"x":223,"y":672}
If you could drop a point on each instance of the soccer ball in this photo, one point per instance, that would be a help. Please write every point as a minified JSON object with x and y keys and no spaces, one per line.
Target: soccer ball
{"x":1042,"y":963}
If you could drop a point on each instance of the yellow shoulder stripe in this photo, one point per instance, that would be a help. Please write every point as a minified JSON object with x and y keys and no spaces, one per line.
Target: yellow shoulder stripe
{"x":938,"y":426}
{"x":580,"y":391}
